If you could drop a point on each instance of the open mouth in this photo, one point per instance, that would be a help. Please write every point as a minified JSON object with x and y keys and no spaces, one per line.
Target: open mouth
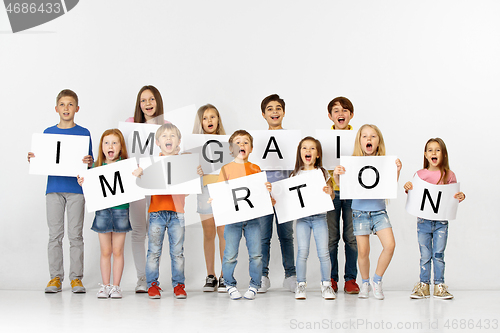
{"x":242,"y":151}
{"x":149,"y":109}
{"x":275,"y":117}
{"x":434,"y":160}
{"x":308,"y":157}
{"x":168,"y":146}
{"x":210,"y":126}
{"x":341,"y":120}
{"x":111,"y":154}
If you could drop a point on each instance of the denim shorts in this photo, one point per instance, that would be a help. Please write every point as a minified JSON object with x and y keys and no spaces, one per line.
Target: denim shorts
{"x":365,"y":223}
{"x":111,"y":220}
{"x":203,"y":206}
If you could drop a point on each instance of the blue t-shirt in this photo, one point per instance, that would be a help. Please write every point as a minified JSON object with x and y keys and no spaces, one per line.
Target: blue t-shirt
{"x":368,"y":205}
{"x":62,"y":184}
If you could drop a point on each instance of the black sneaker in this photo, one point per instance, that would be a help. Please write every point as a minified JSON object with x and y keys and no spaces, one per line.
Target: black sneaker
{"x":222,"y":286}
{"x":210,"y":284}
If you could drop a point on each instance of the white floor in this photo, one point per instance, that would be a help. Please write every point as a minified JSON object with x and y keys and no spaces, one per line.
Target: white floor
{"x":275,"y":311}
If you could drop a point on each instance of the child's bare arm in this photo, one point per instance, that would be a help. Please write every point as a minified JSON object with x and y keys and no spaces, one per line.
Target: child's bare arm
{"x":460,"y":196}
{"x":339,"y":170}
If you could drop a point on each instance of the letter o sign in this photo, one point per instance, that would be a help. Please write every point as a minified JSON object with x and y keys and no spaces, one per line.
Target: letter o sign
{"x":377,"y":177}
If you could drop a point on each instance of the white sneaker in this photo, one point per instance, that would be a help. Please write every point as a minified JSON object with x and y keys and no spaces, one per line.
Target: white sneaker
{"x":378,"y":293}
{"x":290,"y":283}
{"x":250,"y":293}
{"x":300,"y":290}
{"x":364,"y":290}
{"x":233,"y":292}
{"x":265,"y":284}
{"x":103,"y":291}
{"x":327,"y":290}
{"x":142,"y":285}
{"x":115,"y":292}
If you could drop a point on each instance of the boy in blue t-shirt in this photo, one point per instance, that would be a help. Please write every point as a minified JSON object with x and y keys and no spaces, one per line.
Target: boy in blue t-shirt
{"x":64,"y":193}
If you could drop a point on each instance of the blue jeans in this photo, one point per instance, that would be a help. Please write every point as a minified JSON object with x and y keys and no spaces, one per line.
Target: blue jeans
{"x":432,"y":238}
{"x":285,"y":236}
{"x":232,"y":234}
{"x":350,"y":245}
{"x":317,"y":224}
{"x":158,"y":222}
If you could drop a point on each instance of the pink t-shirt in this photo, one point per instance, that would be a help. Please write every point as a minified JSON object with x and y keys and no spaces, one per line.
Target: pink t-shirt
{"x":131,"y":120}
{"x":433,"y":176}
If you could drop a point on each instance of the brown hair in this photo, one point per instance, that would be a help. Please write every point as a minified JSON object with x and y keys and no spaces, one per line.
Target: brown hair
{"x":343,"y":101}
{"x":139,"y":115}
{"x":67,"y":93}
{"x":241,"y":133}
{"x":444,"y":167}
{"x":198,"y":120}
{"x":318,"y":164}
{"x":358,"y":151}
{"x":123,"y":152}
{"x":271,"y":98}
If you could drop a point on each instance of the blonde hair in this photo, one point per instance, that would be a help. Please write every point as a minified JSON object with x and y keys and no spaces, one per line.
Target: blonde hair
{"x":198,"y":120}
{"x":358,"y":151}
{"x":123,"y":152}
{"x":167,"y":127}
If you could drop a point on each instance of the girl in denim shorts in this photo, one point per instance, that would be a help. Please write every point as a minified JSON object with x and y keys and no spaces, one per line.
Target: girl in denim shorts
{"x":433,"y":235}
{"x":369,"y":216}
{"x":209,"y":121}
{"x":309,"y":159}
{"x":111,"y":224}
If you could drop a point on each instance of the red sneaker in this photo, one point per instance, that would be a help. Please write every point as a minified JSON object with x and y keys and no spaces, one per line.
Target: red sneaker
{"x":351,"y":287}
{"x":334,"y":285}
{"x":179,"y":291}
{"x":154,"y":290}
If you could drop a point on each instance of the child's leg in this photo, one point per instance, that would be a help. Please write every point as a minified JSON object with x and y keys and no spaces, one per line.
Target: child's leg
{"x":363,"y":242}
{"x":320,"y":230}
{"x":176,"y":232}
{"x":209,"y":232}
{"x":350,"y":246}
{"x":118,"y":243}
{"x":75,"y":206}
{"x":232,"y":235}
{"x":440,"y":238}
{"x":105,"y":243}
{"x":333,"y":221}
{"x":266,"y":231}
{"x":252,"y":235}
{"x":55,"y":205}
{"x":285,"y":236}
{"x":138,"y":219}
{"x":303,"y":230}
{"x":222,"y":243}
{"x":388,"y":244}
{"x":156,"y":234}
{"x":424,"y":234}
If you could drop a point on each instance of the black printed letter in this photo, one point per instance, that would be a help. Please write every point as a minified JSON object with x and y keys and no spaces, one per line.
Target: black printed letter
{"x":377,"y":177}
{"x":276,"y":148}
{"x":298,"y":192}
{"x":58,"y":153}
{"x":113,"y":190}
{"x":219,"y":153}
{"x":428,"y":195}
{"x":235,"y":200}
{"x":149,"y":141}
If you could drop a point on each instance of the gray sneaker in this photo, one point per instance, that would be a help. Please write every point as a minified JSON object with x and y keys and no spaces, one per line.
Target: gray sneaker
{"x":53,"y":286}
{"x":290,"y":283}
{"x":265,"y":284}
{"x":115,"y":292}
{"x":103,"y":291}
{"x":77,"y":286}
{"x":378,"y":293}
{"x":364,"y":290}
{"x":142,"y":285}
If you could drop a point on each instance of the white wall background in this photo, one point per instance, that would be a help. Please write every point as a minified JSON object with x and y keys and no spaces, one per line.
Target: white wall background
{"x":417,"y":69}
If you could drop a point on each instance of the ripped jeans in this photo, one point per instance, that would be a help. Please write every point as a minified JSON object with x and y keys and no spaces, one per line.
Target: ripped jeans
{"x":173,"y":222}
{"x":432,"y":238}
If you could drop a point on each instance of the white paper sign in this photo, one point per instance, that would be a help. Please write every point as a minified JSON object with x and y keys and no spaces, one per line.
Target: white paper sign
{"x":275,"y":150}
{"x":58,"y":154}
{"x":174,"y":174}
{"x":183,"y":118}
{"x":240,"y":199}
{"x":111,"y":185}
{"x":432,"y":202}
{"x":335,"y":144}
{"x":140,"y":139}
{"x":369,"y":177}
{"x":212,"y":149}
{"x":301,"y":196}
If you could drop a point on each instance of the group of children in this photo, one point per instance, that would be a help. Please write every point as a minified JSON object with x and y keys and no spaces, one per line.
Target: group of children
{"x":360,"y":217}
